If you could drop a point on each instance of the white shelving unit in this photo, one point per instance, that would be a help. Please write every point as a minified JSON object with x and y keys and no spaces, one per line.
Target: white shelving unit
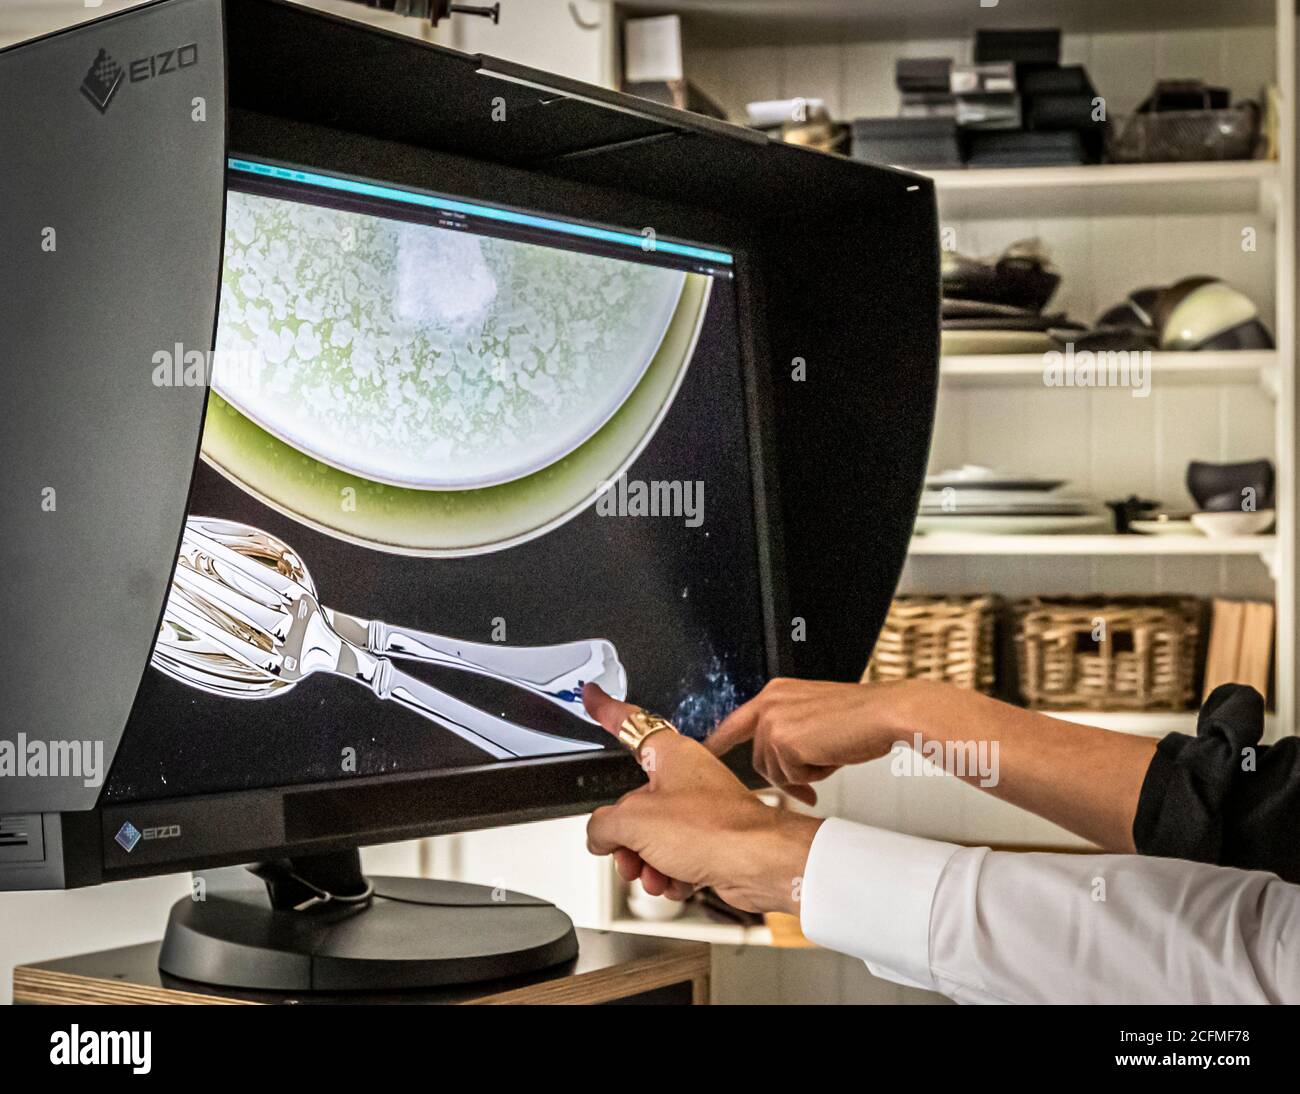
{"x":1243,"y":367}
{"x":1143,"y":723}
{"x":696,"y":926}
{"x":958,"y":544}
{"x":1110,"y":189}
{"x":1110,"y":229}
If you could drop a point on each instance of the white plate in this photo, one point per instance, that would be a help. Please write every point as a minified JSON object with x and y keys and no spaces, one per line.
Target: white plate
{"x":977,"y":477}
{"x":1010,"y":526}
{"x":424,"y":357}
{"x":1164,"y":527}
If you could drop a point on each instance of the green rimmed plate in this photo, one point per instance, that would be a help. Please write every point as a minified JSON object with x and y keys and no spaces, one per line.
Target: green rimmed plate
{"x":456,"y":522}
{"x":424,"y":357}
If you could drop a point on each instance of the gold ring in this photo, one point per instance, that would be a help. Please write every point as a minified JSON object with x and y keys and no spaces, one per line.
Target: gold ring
{"x":638,"y":726}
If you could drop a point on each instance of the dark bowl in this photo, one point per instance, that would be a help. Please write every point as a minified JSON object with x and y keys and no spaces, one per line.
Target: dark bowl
{"x":1220,"y":487}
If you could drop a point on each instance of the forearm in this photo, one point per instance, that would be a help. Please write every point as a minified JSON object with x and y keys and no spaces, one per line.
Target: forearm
{"x":989,"y":927}
{"x":1085,"y":779}
{"x":1052,"y":928}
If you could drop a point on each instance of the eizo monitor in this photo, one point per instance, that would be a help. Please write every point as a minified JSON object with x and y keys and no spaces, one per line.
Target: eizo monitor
{"x":366,"y":417}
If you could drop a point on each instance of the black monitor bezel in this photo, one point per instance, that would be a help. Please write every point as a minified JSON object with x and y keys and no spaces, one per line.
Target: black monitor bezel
{"x":250,"y":825}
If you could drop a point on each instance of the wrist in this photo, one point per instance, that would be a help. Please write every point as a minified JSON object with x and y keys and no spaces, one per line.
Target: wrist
{"x":777,"y":858}
{"x":923,"y":703}
{"x":898,"y":709}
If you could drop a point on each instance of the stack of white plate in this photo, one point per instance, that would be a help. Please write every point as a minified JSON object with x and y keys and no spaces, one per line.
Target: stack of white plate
{"x":974,"y":499}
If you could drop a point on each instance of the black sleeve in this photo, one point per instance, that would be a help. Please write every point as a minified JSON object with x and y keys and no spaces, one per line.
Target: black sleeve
{"x":1221,"y":796}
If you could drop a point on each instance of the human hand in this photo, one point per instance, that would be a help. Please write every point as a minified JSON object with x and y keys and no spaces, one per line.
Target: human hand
{"x":696,"y":824}
{"x":805,"y":730}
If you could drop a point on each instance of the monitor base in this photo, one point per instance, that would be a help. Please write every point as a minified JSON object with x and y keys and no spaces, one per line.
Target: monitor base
{"x":407,"y":933}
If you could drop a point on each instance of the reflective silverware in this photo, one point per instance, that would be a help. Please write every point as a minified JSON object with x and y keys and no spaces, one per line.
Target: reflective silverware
{"x":556,"y":673}
{"x":238,"y":627}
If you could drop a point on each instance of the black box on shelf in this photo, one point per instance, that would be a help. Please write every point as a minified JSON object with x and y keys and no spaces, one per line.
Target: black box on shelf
{"x":1026,"y":48}
{"x":1020,"y":148}
{"x":907,"y":142}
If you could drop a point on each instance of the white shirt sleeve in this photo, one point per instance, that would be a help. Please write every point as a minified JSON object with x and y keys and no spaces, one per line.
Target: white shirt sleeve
{"x":995,"y":927}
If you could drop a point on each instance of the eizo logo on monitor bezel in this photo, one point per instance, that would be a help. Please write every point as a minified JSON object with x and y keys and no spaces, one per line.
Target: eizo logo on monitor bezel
{"x":102,"y":80}
{"x":105,"y":76}
{"x":129,"y":835}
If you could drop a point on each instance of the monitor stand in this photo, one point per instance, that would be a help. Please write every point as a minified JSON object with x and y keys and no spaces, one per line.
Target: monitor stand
{"x":317,"y":923}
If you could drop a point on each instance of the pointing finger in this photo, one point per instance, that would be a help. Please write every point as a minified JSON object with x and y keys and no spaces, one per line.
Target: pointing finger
{"x":602,"y":706}
{"x":736,"y":727}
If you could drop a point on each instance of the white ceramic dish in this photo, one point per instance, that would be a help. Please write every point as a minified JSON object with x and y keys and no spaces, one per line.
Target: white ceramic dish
{"x":1164,"y":527}
{"x":654,"y":909}
{"x":1010,"y":526}
{"x":446,"y":523}
{"x":422,"y":357}
{"x":977,"y":477}
{"x":1227,"y":525}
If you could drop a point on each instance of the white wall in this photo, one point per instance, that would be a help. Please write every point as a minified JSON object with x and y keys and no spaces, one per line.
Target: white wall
{"x":23,"y":19}
{"x":572,"y":39}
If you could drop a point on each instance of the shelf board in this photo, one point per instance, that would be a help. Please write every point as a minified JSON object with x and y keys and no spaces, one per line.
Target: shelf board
{"x":734,"y":23}
{"x":1140,"y":722}
{"x":1243,"y":366}
{"x":1143,"y":723}
{"x":696,"y":927}
{"x":962,"y":543}
{"x":1135,"y":189}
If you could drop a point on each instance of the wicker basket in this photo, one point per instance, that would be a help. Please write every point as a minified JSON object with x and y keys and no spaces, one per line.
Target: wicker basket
{"x":932,"y":638}
{"x":1108,"y":654}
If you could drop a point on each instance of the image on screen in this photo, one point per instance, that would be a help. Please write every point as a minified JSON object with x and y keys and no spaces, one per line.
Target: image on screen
{"x":458,"y":461}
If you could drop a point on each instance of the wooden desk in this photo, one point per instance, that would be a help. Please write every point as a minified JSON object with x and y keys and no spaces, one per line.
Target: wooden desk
{"x":610,"y":968}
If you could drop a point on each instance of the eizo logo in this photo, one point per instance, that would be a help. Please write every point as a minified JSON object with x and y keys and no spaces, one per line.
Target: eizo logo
{"x":105,"y":77}
{"x":128,"y":835}
{"x":102,"y":81}
{"x":169,"y":60}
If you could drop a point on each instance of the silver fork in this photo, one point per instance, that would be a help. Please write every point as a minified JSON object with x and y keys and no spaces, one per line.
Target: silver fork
{"x":557,"y":673}
{"x":277,"y":627}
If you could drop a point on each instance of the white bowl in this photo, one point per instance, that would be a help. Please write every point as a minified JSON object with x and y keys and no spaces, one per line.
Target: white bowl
{"x":656,"y":909}
{"x":1225,"y":525}
{"x":1175,"y":527}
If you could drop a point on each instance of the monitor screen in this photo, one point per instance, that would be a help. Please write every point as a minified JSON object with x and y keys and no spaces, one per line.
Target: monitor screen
{"x":458,"y":460}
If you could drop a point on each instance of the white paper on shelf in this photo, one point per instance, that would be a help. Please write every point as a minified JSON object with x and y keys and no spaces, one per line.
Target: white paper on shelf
{"x":653,"y":49}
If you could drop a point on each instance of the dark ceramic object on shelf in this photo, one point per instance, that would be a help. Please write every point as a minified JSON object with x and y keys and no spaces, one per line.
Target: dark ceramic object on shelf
{"x":1222,"y":487}
{"x":1130,"y":509}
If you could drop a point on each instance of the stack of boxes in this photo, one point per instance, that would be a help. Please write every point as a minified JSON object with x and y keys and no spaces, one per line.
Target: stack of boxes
{"x":1016,"y":105}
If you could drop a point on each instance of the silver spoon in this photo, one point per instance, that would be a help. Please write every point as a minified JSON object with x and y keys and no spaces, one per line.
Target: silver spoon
{"x":239,"y":627}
